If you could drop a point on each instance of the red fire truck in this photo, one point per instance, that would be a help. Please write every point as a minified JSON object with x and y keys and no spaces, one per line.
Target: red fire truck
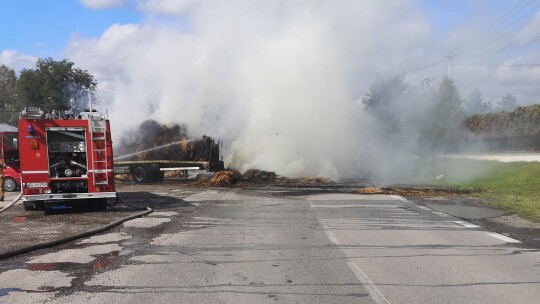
{"x":10,"y":156}
{"x":65,"y":157}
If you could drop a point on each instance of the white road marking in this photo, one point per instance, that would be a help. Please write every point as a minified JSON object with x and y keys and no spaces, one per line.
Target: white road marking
{"x":328,"y":233}
{"x":371,"y":288}
{"x":353,"y":206}
{"x":424,"y":208}
{"x":465,"y":224}
{"x":503,"y":238}
{"x":398,"y":197}
{"x":440,"y":213}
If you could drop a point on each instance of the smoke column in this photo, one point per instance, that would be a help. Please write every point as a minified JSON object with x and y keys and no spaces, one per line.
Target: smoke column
{"x":280,"y":82}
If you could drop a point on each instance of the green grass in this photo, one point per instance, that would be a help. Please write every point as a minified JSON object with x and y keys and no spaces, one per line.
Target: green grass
{"x":514,"y":187}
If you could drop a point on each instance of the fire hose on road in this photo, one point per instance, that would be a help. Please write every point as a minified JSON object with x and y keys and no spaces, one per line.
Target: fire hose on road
{"x":12,"y":203}
{"x":48,"y":244}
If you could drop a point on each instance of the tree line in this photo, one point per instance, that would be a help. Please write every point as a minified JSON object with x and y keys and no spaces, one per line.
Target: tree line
{"x":51,"y":85}
{"x":428,"y":117}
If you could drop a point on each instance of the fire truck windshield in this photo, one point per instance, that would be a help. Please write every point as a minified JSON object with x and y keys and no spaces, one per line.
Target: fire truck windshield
{"x":10,"y":141}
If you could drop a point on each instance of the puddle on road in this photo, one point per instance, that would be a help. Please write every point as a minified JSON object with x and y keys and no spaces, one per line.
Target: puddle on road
{"x":41,"y":266}
{"x":105,"y":260}
{"x":6,"y":291}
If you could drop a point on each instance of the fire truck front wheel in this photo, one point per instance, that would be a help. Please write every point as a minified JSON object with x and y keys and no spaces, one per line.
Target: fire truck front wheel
{"x":141,"y":174}
{"x":10,"y":184}
{"x":37,"y":205}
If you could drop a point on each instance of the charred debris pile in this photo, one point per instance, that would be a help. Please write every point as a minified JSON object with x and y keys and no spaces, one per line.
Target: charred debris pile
{"x":412,"y":191}
{"x":154,"y":141}
{"x":229,"y":178}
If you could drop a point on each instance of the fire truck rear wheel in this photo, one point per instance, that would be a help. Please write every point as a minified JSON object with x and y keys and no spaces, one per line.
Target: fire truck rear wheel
{"x":141,"y":175}
{"x":101,"y":204}
{"x":10,"y":184}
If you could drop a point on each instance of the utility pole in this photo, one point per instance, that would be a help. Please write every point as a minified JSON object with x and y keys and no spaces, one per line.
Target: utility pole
{"x":450,"y":59}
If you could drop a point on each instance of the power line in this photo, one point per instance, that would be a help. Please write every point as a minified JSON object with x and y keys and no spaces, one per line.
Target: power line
{"x":531,"y":30}
{"x":503,"y":16}
{"x":501,"y":65}
{"x":527,"y":14}
{"x":425,"y":67}
{"x":505,"y":21}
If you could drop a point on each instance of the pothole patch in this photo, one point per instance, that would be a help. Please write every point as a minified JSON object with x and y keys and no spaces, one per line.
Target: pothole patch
{"x":79,"y":255}
{"x":106,"y":238}
{"x":146,"y":222}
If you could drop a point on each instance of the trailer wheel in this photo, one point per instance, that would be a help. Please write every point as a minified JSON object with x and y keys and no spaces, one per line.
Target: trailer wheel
{"x":160,"y":176}
{"x":141,"y":174}
{"x":157,"y":176}
{"x":10,"y":184}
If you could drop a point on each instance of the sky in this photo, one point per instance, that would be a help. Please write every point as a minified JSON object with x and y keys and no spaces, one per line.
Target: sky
{"x":31,"y":29}
{"x":260,"y":75}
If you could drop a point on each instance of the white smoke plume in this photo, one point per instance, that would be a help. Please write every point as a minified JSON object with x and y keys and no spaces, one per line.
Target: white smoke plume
{"x":280,"y":82}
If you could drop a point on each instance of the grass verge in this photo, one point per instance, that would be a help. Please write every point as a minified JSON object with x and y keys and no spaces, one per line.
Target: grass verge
{"x":514,"y":187}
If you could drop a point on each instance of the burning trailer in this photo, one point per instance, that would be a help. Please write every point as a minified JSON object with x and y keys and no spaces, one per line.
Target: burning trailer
{"x":155,"y":149}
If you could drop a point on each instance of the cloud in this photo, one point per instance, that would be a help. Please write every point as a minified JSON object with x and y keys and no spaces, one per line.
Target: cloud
{"x":169,"y":7}
{"x":16,"y":60}
{"x":102,"y":4}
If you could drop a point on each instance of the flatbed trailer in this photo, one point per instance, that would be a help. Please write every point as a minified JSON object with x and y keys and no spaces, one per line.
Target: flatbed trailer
{"x":144,"y":171}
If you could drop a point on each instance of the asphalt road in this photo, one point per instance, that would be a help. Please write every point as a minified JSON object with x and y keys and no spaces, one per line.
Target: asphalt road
{"x":267,"y":247}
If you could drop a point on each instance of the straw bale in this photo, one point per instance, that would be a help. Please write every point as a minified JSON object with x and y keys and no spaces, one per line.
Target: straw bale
{"x":221,"y":179}
{"x":258,"y":175}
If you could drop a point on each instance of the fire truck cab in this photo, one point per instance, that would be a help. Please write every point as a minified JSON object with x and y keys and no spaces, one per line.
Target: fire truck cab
{"x":65,"y":158}
{"x":9,"y":154}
